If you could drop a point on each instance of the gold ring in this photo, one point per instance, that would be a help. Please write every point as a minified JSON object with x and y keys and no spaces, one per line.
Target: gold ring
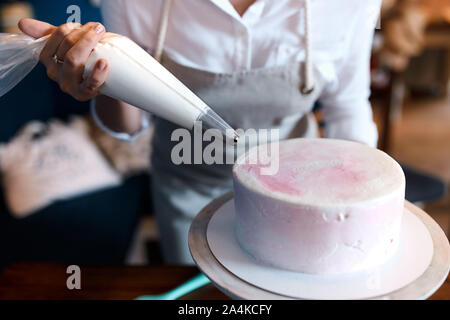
{"x":57,"y":60}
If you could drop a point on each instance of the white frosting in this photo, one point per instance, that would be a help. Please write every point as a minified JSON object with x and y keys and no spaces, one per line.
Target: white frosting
{"x":324,"y":172}
{"x":333,"y":206}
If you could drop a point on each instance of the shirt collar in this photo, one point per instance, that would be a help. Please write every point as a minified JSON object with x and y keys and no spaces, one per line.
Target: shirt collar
{"x":252,"y":14}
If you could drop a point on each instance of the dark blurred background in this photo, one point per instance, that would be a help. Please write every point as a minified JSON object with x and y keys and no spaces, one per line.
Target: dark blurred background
{"x":97,"y":228}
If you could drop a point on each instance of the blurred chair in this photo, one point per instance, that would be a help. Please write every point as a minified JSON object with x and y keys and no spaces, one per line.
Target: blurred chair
{"x":431,"y":30}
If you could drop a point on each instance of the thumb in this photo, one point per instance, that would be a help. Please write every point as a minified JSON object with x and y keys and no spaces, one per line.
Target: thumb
{"x":35,"y":28}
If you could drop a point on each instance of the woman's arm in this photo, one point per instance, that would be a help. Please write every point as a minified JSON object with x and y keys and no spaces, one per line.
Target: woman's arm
{"x":346,"y":107}
{"x":118,"y":116}
{"x":72,"y":44}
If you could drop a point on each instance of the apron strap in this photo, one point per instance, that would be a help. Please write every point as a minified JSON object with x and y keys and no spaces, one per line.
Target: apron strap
{"x":308,"y":77}
{"x":159,"y":48}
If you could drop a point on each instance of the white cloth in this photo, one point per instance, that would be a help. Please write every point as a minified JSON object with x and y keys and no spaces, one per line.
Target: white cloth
{"x":210,"y":35}
{"x":45,"y":163}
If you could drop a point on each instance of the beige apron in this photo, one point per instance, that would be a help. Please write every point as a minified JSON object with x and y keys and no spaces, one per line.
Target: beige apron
{"x":269,"y":98}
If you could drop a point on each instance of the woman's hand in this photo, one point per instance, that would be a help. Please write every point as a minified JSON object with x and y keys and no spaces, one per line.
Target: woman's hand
{"x":66,"y":53}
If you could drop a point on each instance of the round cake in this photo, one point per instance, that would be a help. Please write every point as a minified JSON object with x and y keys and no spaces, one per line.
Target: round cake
{"x":318,"y":206}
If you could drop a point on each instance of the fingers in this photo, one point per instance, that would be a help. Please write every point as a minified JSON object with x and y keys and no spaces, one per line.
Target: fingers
{"x":91,"y":86}
{"x":83,"y":48}
{"x":54,"y":42}
{"x":72,"y":44}
{"x":68,"y":42}
{"x":35,"y":28}
{"x":71,"y":72}
{"x":82,"y":41}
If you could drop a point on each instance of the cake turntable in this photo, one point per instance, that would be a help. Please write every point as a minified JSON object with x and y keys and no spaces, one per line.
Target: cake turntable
{"x":419,"y":267}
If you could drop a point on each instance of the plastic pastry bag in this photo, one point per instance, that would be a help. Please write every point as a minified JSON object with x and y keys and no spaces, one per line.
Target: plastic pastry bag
{"x":19,"y":54}
{"x":134,"y":77}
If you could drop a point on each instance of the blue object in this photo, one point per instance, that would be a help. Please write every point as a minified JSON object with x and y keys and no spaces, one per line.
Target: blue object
{"x":189,"y":286}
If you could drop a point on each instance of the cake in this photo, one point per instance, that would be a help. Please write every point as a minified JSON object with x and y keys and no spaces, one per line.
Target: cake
{"x":332,"y":207}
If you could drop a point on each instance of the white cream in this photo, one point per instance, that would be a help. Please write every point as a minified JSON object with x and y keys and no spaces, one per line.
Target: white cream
{"x":135,"y":77}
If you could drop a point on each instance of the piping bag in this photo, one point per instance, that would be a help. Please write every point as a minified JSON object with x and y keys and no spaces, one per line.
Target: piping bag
{"x":134,"y":77}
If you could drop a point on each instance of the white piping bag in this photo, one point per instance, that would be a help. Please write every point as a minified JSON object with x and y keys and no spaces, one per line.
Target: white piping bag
{"x":134,"y":77}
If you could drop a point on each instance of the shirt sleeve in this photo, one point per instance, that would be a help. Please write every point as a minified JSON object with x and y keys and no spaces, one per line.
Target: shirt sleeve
{"x":137,"y":20}
{"x":145,"y":124}
{"x":346,"y":108}
{"x":114,"y":16}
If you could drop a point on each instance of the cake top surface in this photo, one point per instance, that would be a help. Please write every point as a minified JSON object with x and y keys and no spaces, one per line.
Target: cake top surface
{"x":321,"y":172}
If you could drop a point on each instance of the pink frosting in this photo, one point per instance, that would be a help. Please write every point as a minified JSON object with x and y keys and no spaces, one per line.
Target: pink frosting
{"x":326,"y":172}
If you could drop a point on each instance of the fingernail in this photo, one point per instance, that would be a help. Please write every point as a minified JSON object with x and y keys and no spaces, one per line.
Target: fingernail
{"x":99,"y":28}
{"x":101,"y":65}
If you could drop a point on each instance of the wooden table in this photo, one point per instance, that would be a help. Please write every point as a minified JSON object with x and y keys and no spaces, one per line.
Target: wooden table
{"x":48,"y":282}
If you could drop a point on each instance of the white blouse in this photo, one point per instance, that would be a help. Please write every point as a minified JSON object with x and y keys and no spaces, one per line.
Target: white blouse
{"x":210,"y":35}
